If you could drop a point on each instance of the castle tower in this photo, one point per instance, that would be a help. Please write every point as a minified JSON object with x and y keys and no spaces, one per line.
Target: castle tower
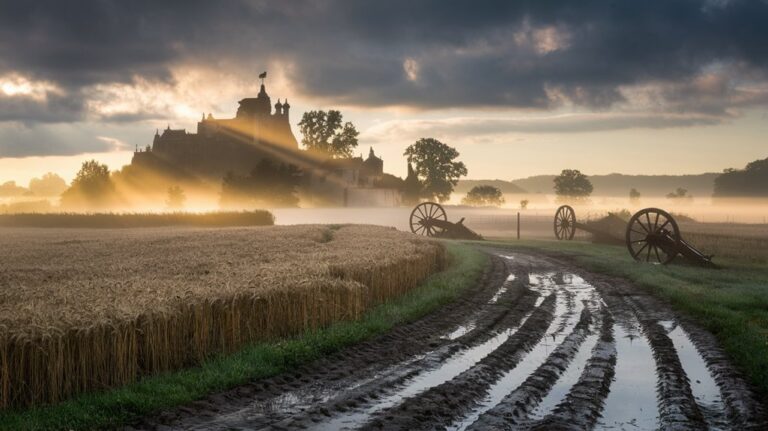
{"x":286,"y":107}
{"x":258,"y":106}
{"x":279,"y":108}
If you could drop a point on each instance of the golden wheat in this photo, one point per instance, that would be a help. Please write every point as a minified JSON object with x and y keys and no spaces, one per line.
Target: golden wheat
{"x":83,"y":310}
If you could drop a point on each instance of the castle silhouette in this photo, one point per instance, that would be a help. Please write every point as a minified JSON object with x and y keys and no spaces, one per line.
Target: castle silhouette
{"x":226,"y":145}
{"x":236,"y":145}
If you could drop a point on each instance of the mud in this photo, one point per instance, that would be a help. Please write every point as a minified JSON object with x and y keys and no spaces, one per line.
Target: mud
{"x":537,"y":343}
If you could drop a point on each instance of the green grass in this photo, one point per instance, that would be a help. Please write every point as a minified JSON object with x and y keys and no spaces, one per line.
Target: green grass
{"x":120,"y":406}
{"x":731,"y":302}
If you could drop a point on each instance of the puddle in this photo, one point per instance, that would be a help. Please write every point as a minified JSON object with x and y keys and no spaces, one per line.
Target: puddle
{"x":451,"y":368}
{"x":529,"y":363}
{"x":502,"y":289}
{"x":631,"y":402}
{"x":567,"y":380}
{"x":703,"y":385}
{"x":460,"y":331}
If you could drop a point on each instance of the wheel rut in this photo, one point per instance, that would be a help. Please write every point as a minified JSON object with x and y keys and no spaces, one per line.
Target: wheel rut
{"x":536,"y":344}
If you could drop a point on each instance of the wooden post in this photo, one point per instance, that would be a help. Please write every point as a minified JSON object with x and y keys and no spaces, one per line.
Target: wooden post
{"x":518,"y":225}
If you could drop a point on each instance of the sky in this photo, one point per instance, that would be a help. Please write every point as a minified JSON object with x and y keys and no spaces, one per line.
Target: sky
{"x":519,"y":88}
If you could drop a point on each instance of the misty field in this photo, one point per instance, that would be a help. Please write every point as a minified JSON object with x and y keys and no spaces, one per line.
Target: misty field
{"x":83,"y":310}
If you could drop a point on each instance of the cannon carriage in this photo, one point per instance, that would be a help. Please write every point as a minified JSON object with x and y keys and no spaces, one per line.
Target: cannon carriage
{"x":651,"y":235}
{"x":430,"y":219}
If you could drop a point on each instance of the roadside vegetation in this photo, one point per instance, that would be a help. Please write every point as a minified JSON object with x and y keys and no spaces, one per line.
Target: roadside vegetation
{"x":122,"y":405}
{"x":134,"y":220}
{"x":732,"y":302}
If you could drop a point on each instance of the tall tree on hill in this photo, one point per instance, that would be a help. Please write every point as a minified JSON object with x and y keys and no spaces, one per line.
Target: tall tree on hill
{"x":435,"y":165}
{"x":572,"y":185}
{"x":634,"y":196}
{"x":324,"y":132}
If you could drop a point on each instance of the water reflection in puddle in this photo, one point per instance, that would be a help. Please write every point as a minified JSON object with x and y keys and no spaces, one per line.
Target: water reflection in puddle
{"x":631,"y":402}
{"x":703,"y":385}
{"x":504,"y":287}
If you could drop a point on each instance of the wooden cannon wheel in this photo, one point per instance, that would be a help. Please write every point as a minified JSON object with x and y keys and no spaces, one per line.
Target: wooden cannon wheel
{"x":423,"y":218}
{"x":653,"y":236}
{"x":565,"y":223}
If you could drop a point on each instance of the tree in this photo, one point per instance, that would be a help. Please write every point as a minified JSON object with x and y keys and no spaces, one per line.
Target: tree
{"x":91,"y":188}
{"x":571,"y":184}
{"x":634,"y":196}
{"x":268,"y":184}
{"x":176,"y":198}
{"x":324,"y":132}
{"x":435,"y":165}
{"x":524,"y":204}
{"x":9,"y":189}
{"x":680,"y":194}
{"x":748,"y":182}
{"x":49,"y":185}
{"x":484,"y":195}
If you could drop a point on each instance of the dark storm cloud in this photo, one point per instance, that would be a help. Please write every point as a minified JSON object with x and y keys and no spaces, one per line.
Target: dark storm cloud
{"x":464,"y":54}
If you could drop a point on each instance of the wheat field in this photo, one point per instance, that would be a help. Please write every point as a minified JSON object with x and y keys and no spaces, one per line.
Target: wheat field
{"x":84,"y":309}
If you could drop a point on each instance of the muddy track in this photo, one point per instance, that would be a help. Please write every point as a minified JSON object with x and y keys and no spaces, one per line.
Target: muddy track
{"x":536,"y":344}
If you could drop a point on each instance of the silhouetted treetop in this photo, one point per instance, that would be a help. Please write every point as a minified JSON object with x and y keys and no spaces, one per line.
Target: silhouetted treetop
{"x":571,"y":184}
{"x":752,"y":181}
{"x":434,"y":164}
{"x":324,"y":132}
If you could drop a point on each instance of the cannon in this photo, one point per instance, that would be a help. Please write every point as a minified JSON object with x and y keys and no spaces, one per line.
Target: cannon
{"x":651,"y":235}
{"x":430,"y":219}
{"x":609,"y":230}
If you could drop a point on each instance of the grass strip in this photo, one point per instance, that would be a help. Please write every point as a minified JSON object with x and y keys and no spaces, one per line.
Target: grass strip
{"x":122,"y":405}
{"x":731,"y":302}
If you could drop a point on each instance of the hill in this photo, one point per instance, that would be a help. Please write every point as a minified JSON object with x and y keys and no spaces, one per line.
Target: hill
{"x":701,"y":185}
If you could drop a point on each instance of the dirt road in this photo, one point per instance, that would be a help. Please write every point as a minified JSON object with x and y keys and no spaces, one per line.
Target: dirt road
{"x":537,"y":344}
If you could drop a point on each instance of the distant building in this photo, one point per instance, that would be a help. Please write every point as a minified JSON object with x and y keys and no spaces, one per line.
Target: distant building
{"x":237,"y":145}
{"x":354,"y":182}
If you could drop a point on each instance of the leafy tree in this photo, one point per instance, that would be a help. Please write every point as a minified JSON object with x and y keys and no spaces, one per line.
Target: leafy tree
{"x":484,"y":196}
{"x":634,"y":196}
{"x":748,"y":182}
{"x":324,"y":132}
{"x":91,"y":188}
{"x":680,"y":194}
{"x":524,"y":204}
{"x":176,"y":198}
{"x":435,"y":165}
{"x":268,"y":184}
{"x":49,"y":185}
{"x":571,"y":184}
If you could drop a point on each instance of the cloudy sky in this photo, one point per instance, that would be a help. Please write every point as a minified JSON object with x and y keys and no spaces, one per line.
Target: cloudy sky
{"x":520,"y":88}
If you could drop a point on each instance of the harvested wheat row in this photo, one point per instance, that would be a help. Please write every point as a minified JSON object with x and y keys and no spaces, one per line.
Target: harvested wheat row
{"x":85,"y":310}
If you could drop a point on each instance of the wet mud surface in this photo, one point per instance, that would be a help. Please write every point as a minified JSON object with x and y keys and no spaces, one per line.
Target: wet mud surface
{"x":537,"y":344}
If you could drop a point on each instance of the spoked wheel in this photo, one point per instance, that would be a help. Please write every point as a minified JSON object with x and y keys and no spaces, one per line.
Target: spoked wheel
{"x":565,"y":223}
{"x":653,"y":236}
{"x":424,"y":216}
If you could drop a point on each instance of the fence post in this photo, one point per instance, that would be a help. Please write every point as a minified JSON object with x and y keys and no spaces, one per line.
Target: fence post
{"x":518,"y":225}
